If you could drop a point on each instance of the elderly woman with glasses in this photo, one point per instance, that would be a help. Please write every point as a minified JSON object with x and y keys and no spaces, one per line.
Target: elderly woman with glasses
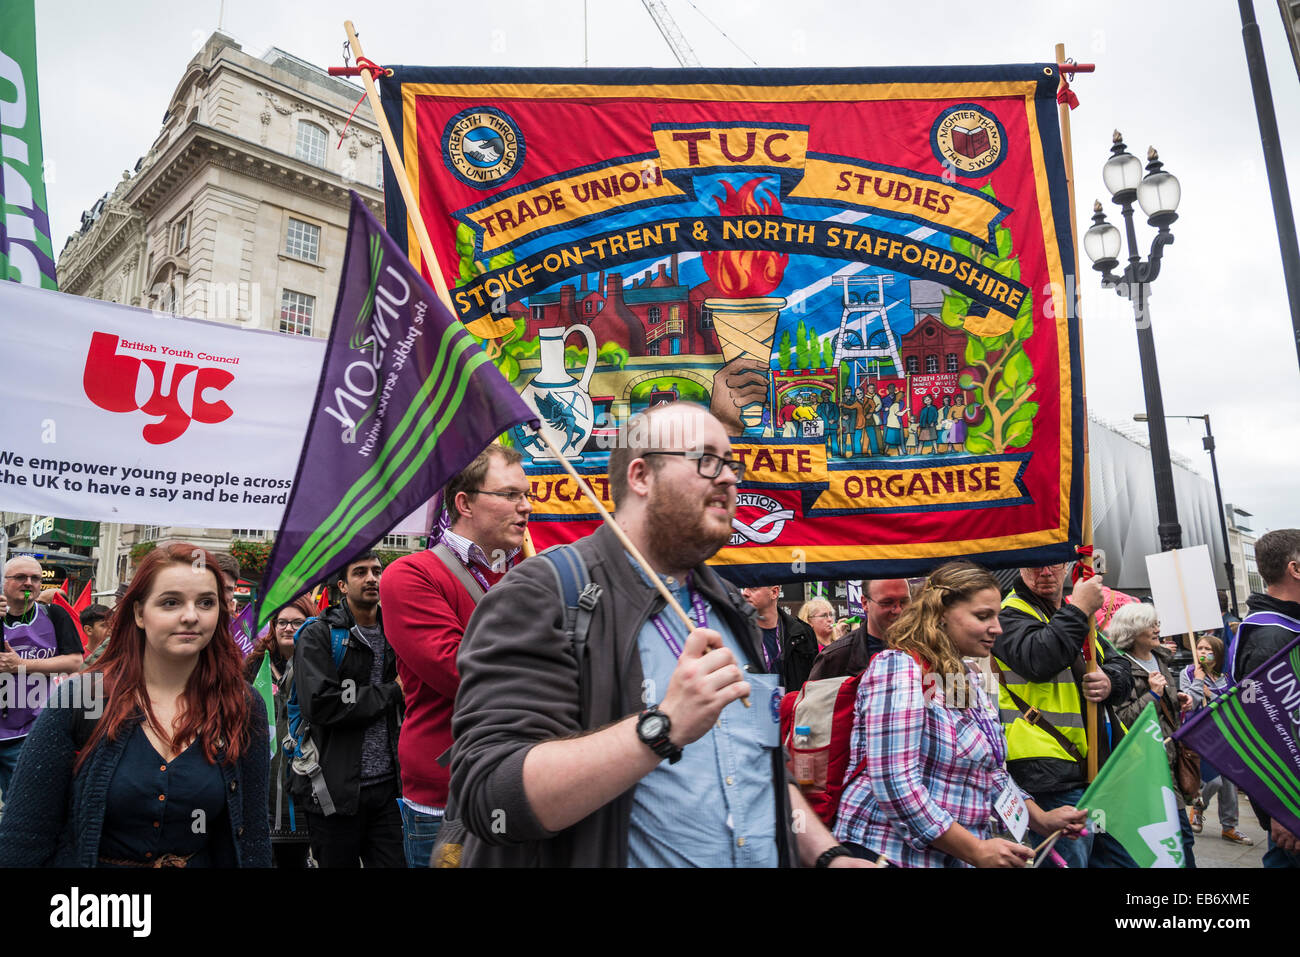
{"x":818,"y":613}
{"x":1135,"y":630}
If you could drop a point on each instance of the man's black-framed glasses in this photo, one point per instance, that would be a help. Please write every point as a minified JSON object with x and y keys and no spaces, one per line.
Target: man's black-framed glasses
{"x":707,"y":464}
{"x":513,"y":496}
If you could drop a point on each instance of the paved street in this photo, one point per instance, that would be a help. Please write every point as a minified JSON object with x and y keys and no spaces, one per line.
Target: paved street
{"x":1211,"y":850}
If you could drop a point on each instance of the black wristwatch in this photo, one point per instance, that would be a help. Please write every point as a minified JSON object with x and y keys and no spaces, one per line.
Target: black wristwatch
{"x":652,"y":728}
{"x":824,"y":859}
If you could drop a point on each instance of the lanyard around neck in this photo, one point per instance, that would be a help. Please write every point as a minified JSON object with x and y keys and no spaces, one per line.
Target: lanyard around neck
{"x":698,"y":609}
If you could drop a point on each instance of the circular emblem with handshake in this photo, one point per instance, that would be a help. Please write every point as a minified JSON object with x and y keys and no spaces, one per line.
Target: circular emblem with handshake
{"x":483,"y":146}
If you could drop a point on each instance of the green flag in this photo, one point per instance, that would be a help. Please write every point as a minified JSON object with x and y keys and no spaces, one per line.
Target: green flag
{"x":26,"y":252}
{"x":1133,"y":797}
{"x":263,"y":685}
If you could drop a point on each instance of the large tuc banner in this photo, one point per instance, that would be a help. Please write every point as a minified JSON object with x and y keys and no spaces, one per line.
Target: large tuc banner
{"x":862,"y":272}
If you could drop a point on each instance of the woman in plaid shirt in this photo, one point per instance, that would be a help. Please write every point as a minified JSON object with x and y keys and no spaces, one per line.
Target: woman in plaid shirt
{"x":935,"y":757}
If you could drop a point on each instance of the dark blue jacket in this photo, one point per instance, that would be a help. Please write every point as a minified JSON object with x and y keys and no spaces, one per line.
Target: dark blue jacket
{"x":55,"y":819}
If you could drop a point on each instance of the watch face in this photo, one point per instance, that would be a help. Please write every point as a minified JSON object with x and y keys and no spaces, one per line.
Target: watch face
{"x":653,"y":726}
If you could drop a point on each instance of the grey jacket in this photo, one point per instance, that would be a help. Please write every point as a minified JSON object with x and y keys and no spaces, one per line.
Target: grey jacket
{"x":519,"y":687}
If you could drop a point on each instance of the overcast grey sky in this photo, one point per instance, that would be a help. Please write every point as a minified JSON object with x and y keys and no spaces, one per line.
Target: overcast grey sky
{"x":1172,"y":74}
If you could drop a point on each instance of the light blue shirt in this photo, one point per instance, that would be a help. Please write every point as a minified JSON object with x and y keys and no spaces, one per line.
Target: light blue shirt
{"x":715,"y":807}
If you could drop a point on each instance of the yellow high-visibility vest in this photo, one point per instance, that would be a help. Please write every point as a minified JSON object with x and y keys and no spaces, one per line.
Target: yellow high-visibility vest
{"x":1057,"y":700}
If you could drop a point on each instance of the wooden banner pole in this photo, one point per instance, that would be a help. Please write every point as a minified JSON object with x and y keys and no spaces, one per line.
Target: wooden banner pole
{"x":1182,"y":595}
{"x":484,"y":328}
{"x":1092,"y":727}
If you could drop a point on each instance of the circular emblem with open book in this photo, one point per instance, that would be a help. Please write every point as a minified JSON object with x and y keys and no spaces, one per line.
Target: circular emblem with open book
{"x":968,"y":139}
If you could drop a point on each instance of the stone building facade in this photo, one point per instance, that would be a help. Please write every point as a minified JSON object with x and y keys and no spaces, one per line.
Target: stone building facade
{"x":237,"y":213}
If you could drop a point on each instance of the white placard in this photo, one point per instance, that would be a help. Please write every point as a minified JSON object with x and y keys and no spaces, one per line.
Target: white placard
{"x":1182,"y":586}
{"x":1011,"y":810}
{"x":115,"y":414}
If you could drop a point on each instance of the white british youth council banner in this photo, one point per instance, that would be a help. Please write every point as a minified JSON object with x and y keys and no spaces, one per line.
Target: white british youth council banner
{"x":115,"y":414}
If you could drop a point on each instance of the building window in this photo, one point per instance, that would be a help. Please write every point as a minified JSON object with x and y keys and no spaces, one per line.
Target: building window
{"x":586,"y":306}
{"x":150,"y":533}
{"x":931,"y":363}
{"x":311,"y":144}
{"x":295,"y":312}
{"x":912,"y":365}
{"x":653,"y":315}
{"x":303,"y":240}
{"x":537,"y":312}
{"x":248,"y":534}
{"x":952,"y":362}
{"x":653,"y":348}
{"x":394,"y":541}
{"x":180,"y":234}
{"x":706,"y":319}
{"x":379,"y":175}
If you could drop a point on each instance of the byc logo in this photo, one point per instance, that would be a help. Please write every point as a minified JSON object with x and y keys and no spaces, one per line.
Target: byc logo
{"x":110,"y":380}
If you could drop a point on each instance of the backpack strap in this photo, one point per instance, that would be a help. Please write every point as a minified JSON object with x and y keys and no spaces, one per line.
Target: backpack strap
{"x":338,"y":645}
{"x":448,"y":558}
{"x":580,"y":596}
{"x":307,"y":761}
{"x":1034,"y":716}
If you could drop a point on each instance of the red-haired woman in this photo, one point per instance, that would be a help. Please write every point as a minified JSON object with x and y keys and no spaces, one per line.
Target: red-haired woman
{"x":162,"y":764}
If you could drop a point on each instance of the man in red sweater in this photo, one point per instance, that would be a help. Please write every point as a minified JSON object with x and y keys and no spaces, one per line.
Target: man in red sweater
{"x":427,"y":600}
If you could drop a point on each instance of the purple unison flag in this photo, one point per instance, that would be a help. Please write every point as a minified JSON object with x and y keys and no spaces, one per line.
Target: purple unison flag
{"x":241,"y":629}
{"x":1251,"y":734}
{"x":407,"y":398}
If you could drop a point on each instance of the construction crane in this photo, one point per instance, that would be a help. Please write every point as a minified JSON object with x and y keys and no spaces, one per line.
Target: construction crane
{"x":672,"y":35}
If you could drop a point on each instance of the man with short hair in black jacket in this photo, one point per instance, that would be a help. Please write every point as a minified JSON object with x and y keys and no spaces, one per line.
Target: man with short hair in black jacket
{"x":789,"y":645}
{"x":1277,"y":555}
{"x":353,"y":710}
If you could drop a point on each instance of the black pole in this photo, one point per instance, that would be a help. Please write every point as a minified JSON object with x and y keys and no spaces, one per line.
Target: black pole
{"x":1272,"y":143}
{"x":1168,"y":529}
{"x":1208,"y":441}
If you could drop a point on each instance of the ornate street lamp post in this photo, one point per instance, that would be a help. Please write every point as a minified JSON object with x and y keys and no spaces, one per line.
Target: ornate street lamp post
{"x":1157,"y":193}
